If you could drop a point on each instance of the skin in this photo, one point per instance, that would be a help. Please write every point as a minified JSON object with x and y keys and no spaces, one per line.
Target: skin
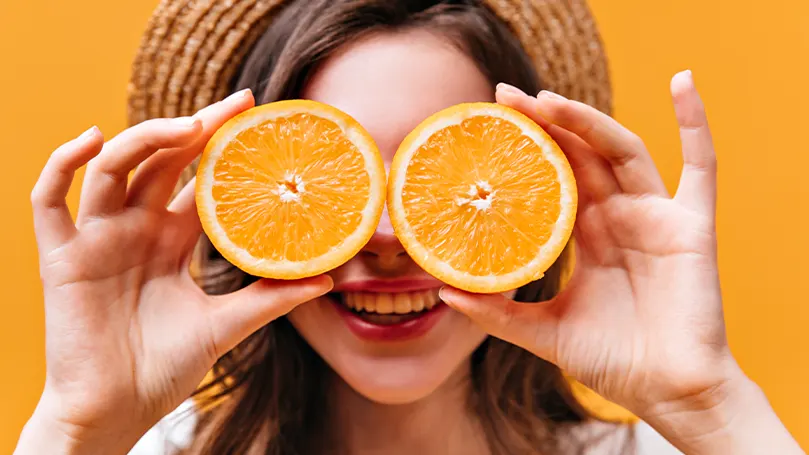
{"x":653,"y":342}
{"x":401,"y":372}
{"x":426,"y":376}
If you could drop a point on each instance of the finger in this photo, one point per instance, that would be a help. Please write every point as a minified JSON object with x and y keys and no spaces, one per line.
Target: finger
{"x":236,"y":316}
{"x":532,"y":327}
{"x":53,"y":224}
{"x":105,"y":182}
{"x":184,"y":206}
{"x":631,"y":163}
{"x":155,"y":180}
{"x":698,"y":181}
{"x":593,"y":174}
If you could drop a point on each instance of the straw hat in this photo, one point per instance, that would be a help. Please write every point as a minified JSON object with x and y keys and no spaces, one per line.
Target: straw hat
{"x":192,"y":48}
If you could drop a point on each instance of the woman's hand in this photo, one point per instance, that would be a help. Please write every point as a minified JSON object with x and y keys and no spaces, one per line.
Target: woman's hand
{"x":129,"y":335}
{"x":641,"y":320}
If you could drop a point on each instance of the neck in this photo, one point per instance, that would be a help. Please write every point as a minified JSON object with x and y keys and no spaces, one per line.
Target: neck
{"x":440,"y":423}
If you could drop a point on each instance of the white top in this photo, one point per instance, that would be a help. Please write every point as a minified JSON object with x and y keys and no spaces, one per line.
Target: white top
{"x":175,"y":431}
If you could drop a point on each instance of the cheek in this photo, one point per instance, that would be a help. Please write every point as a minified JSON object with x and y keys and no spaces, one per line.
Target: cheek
{"x":389,"y":372}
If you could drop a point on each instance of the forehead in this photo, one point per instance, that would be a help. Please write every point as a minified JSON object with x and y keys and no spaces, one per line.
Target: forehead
{"x":390,"y":82}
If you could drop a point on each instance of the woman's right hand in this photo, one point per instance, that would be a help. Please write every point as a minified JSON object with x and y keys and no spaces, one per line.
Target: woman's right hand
{"x":129,"y":335}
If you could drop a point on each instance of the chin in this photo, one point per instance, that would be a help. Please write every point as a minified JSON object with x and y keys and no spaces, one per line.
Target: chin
{"x":400,"y":381}
{"x":390,"y":347}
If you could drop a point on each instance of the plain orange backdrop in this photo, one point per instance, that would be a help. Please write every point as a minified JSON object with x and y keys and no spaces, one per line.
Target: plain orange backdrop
{"x":64,"y":67}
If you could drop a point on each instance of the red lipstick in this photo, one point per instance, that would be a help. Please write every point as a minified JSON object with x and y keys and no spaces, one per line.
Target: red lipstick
{"x":405,"y":330}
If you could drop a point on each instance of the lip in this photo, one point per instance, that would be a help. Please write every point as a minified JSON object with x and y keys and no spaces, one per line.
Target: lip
{"x":391,"y":286}
{"x":403,"y":331}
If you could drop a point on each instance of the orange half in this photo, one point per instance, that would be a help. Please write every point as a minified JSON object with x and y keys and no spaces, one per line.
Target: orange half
{"x":482,"y":198}
{"x":290,"y":189}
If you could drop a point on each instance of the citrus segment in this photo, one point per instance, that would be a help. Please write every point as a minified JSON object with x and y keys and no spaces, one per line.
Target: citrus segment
{"x":482,"y":198}
{"x":290,"y":189}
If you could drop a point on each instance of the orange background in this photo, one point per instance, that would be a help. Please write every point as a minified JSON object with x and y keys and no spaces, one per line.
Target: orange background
{"x":65,"y":66}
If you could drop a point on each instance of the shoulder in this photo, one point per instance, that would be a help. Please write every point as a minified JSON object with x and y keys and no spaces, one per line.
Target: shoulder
{"x":175,"y":432}
{"x":171,"y":435}
{"x":600,"y":438}
{"x":649,"y":442}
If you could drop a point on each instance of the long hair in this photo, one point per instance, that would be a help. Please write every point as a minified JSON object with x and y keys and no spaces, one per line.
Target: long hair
{"x":267,"y":395}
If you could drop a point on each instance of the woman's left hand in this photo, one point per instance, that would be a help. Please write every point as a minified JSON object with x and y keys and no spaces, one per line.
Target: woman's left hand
{"x":641,"y":320}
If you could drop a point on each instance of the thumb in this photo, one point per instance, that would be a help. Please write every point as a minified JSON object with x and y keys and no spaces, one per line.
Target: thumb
{"x":531,"y":326}
{"x":238,"y":315}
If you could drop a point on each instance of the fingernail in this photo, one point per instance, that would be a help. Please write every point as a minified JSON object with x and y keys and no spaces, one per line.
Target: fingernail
{"x":509,"y":89}
{"x":88,"y":134}
{"x":689,"y":74}
{"x":187,"y":122}
{"x":330,"y":284}
{"x":441,"y":293}
{"x":239,"y":95}
{"x":551,"y":95}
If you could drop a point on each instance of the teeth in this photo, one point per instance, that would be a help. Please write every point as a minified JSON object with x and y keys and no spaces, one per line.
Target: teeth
{"x":401,"y":303}
{"x":384,"y":303}
{"x":349,"y":300}
{"x":369,"y":302}
{"x":387,"y":303}
{"x":417,"y":301}
{"x":430,"y":299}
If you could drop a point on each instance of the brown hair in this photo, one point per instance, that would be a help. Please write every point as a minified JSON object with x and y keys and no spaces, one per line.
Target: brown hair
{"x":267,"y":395}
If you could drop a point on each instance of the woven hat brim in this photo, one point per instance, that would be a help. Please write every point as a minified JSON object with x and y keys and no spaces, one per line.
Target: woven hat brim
{"x":191,"y":50}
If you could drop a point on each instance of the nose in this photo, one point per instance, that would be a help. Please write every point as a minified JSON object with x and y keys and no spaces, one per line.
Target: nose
{"x":384,"y":252}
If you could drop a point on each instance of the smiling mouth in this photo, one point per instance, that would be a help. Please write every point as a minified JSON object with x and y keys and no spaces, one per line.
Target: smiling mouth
{"x":384,"y":308}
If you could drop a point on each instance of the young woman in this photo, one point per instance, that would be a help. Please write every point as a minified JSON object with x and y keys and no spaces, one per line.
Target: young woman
{"x":131,"y":333}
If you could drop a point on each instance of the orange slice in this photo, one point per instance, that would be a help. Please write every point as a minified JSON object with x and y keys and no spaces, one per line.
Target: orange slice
{"x":290,"y":189}
{"x":598,"y":406}
{"x":482,"y":198}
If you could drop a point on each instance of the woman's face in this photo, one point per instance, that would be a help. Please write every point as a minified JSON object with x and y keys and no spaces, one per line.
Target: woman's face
{"x":395,"y":351}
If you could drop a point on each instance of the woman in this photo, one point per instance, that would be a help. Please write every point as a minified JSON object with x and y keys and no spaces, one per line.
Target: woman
{"x":130,"y":335}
